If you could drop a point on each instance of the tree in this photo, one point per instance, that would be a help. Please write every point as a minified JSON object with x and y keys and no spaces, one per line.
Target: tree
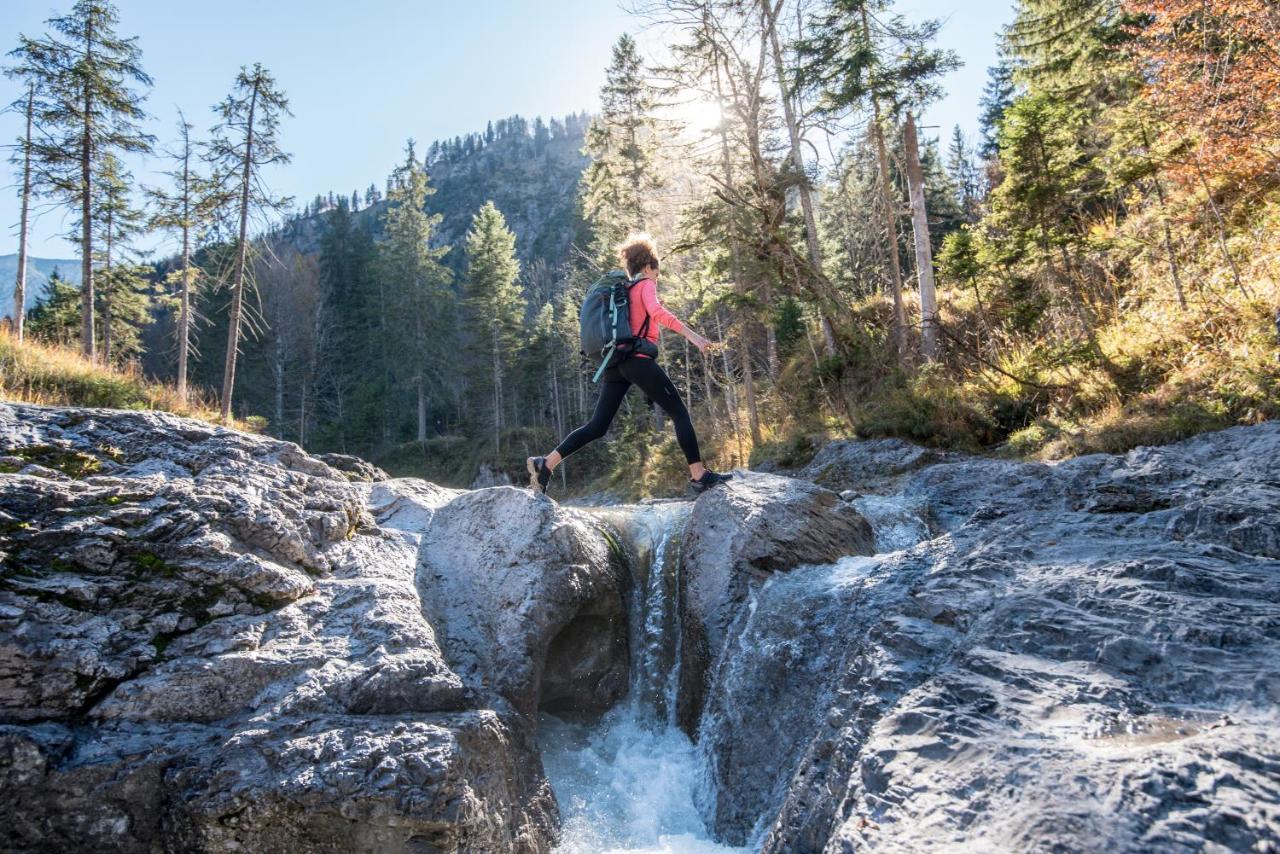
{"x":245,"y":141}
{"x":85,"y":70}
{"x":963,"y":172}
{"x":770,"y":12}
{"x":416,"y":278}
{"x":997,"y":95}
{"x":1214,"y":69}
{"x":119,"y":222}
{"x":352,"y":387}
{"x":56,"y":318}
{"x":622,"y":143}
{"x":23,"y":155}
{"x":494,"y":296}
{"x":189,"y":208}
{"x":861,"y":54}
{"x":922,"y":242}
{"x":125,"y":299}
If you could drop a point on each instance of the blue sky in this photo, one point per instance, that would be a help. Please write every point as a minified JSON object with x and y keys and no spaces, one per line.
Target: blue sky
{"x":364,"y":76}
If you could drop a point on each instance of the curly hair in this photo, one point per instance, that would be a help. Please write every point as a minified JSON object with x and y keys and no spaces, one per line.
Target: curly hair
{"x":637,"y":252}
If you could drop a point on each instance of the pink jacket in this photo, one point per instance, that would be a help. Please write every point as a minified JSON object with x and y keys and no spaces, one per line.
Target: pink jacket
{"x":644,"y":303}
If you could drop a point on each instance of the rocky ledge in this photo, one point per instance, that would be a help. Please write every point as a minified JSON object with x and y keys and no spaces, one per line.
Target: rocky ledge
{"x":1072,"y":657}
{"x":213,"y":641}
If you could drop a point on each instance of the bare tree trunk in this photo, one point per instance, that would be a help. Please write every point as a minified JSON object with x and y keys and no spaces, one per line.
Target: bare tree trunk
{"x":891,"y":242}
{"x":1168,"y":235}
{"x":753,"y":416}
{"x":422,"y":409}
{"x":277,"y":375}
{"x":242,"y":254}
{"x":419,"y":336}
{"x":184,"y":310}
{"x":731,"y":396}
{"x":107,"y":291}
{"x":924,"y":249}
{"x":497,"y":395}
{"x":302,"y":413}
{"x":1221,"y":231}
{"x":770,"y":12}
{"x":20,"y":286}
{"x":88,"y":345}
{"x":890,"y":229}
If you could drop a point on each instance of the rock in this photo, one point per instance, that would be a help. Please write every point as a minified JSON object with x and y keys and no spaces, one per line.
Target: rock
{"x":354,"y":468}
{"x":208,"y":642}
{"x":527,"y":617}
{"x":874,"y":465}
{"x":1082,"y":657}
{"x":736,"y":536}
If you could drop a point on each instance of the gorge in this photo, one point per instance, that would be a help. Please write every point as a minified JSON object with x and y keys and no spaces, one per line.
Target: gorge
{"x":214,"y":641}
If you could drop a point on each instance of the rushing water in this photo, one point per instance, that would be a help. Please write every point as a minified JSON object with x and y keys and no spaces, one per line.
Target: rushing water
{"x":630,"y":781}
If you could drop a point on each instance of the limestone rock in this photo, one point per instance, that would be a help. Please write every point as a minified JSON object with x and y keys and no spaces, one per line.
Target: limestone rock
{"x":528,"y":599}
{"x":737,"y":535}
{"x":1082,"y":656}
{"x":207,"y":642}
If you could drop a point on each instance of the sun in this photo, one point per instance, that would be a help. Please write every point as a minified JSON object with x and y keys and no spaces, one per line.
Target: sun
{"x":697,"y":114}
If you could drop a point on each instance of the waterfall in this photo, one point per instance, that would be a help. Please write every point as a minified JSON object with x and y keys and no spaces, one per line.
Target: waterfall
{"x":629,"y":781}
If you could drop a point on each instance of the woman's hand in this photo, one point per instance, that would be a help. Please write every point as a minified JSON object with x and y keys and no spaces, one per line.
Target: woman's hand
{"x":698,"y":341}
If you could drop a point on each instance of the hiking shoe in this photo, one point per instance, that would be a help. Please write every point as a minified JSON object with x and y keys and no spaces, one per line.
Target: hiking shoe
{"x":539,"y":474}
{"x":709,"y":479}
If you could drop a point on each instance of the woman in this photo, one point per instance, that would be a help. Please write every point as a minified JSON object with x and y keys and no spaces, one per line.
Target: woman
{"x":640,"y":259}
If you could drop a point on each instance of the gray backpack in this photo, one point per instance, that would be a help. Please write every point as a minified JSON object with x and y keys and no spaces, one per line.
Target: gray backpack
{"x":604,"y":323}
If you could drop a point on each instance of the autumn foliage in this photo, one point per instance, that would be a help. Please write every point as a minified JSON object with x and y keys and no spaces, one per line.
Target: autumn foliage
{"x":1213,"y":73}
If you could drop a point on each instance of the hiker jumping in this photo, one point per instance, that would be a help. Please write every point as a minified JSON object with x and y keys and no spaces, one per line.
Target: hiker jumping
{"x":620,"y":319}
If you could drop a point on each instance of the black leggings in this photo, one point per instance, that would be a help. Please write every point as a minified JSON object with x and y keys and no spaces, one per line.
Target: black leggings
{"x":656,"y":385}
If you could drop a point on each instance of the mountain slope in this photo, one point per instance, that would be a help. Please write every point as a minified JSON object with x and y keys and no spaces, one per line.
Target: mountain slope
{"x":38,"y":272}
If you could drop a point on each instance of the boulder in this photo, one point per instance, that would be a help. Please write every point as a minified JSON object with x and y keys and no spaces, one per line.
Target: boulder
{"x":528,"y":598}
{"x":735,"y":538}
{"x":874,"y":465}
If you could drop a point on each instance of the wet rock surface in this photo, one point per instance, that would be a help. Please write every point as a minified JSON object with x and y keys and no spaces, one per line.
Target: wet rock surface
{"x":1083,"y":656}
{"x":736,"y":537}
{"x":212,"y":641}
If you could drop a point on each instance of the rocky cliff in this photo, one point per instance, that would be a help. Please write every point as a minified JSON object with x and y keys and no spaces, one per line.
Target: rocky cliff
{"x":212,"y":641}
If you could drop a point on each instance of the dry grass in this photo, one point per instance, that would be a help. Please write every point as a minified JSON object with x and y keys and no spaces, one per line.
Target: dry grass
{"x":31,"y":372}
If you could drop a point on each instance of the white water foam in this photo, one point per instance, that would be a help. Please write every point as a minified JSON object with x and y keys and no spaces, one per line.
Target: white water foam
{"x":629,"y":782}
{"x":626,"y":783}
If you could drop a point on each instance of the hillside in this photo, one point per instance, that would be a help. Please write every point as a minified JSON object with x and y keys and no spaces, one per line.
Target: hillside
{"x":38,"y":272}
{"x":532,"y":178}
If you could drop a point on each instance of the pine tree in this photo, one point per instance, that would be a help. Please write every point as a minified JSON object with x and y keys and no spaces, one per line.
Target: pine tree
{"x":770,"y":11}
{"x":997,"y":95}
{"x":622,"y":143}
{"x":244,"y":141}
{"x":85,"y":71}
{"x":118,"y":222}
{"x":494,"y":297}
{"x":417,"y":281}
{"x":188,"y":208}
{"x":963,"y":172}
{"x":56,"y":318}
{"x":125,"y":298}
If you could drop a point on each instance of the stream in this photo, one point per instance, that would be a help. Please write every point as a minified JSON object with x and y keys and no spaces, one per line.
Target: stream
{"x":630,"y":780}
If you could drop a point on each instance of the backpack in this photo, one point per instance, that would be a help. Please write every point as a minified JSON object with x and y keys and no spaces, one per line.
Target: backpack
{"x":604,"y":323}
